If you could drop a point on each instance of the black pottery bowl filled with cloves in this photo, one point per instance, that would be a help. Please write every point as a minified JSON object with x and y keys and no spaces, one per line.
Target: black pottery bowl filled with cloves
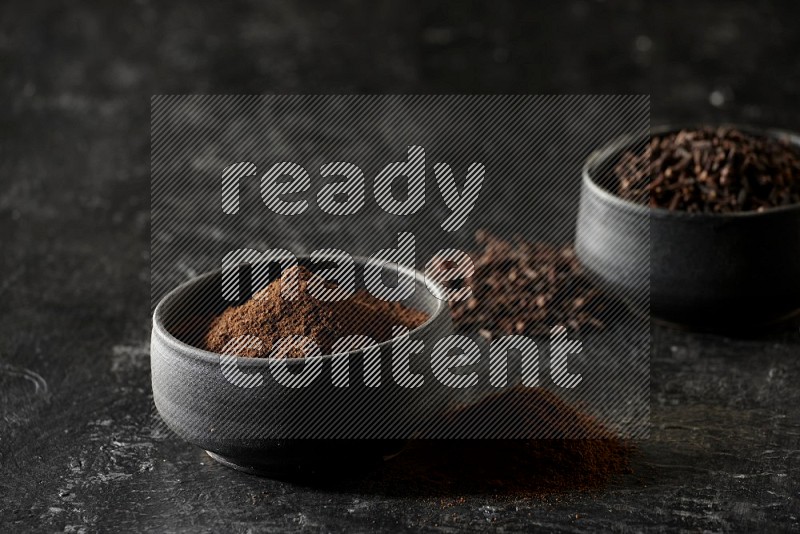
{"x":714,"y":212}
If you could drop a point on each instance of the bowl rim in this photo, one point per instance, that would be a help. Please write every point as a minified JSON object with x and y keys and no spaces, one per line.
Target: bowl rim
{"x":623,"y":141}
{"x":159,"y":329}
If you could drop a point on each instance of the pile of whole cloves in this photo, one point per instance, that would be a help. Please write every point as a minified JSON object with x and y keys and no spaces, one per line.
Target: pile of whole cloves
{"x":527,"y":288}
{"x":711,"y":170}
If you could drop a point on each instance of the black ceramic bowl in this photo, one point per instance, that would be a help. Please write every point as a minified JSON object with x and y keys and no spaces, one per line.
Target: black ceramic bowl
{"x":267,"y":428}
{"x":709,"y":271}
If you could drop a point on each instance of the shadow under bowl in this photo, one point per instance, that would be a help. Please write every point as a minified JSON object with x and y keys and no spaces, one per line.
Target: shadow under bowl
{"x":718,"y":272}
{"x":260,"y":426}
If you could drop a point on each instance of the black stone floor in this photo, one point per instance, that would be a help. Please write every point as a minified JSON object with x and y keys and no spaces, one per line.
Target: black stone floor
{"x":77,"y":450}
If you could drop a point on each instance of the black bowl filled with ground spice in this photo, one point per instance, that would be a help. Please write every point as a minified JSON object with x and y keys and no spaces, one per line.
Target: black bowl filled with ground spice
{"x":714,"y":212}
{"x":222,"y":381}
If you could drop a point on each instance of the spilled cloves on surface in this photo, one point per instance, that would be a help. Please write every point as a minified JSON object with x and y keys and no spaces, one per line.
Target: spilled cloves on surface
{"x":519,"y":287}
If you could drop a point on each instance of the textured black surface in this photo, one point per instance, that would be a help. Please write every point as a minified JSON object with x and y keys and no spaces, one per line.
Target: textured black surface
{"x":76,"y":447}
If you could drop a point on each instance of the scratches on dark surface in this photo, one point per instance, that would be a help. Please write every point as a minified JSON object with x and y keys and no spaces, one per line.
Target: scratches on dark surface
{"x":35,"y":379}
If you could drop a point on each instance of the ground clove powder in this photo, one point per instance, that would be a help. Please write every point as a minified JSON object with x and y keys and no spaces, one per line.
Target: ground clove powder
{"x":515,"y":468}
{"x":270,"y":317}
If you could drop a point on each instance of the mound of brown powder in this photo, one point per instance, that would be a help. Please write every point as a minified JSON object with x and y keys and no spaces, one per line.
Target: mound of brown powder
{"x":270,"y":317}
{"x":516,"y":468}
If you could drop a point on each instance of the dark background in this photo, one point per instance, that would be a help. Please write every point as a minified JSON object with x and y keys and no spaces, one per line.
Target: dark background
{"x":76,"y":447}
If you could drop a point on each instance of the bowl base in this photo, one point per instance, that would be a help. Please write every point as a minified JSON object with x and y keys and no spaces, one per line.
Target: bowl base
{"x":306,"y":467}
